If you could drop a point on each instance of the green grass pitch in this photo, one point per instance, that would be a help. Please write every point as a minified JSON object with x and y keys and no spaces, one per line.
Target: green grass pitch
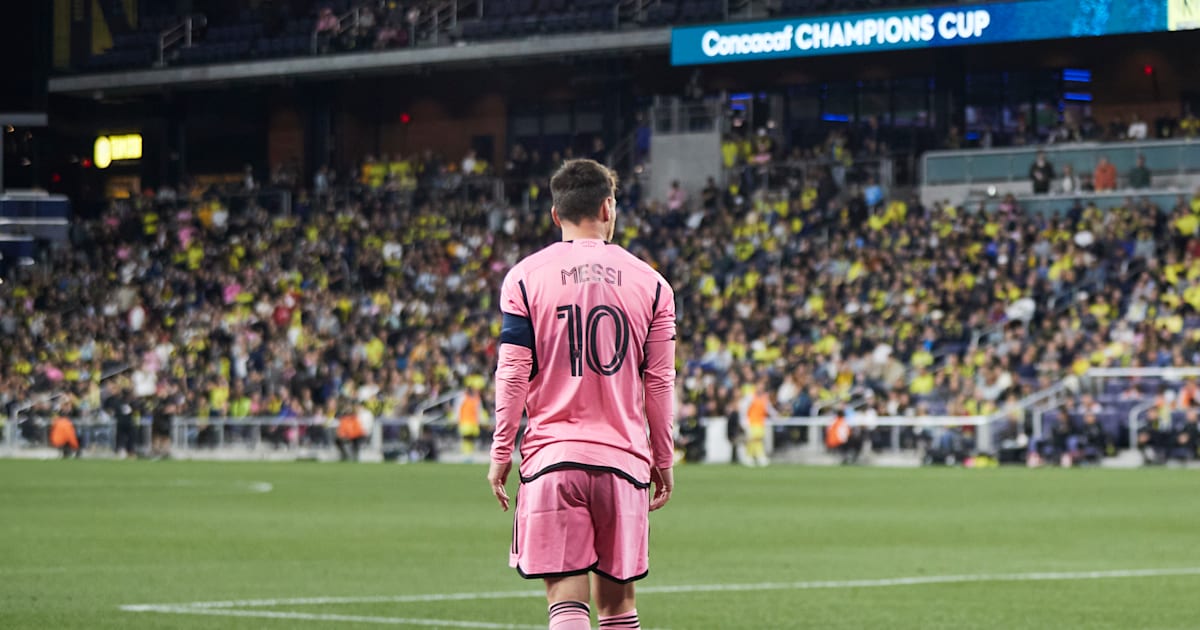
{"x":80,"y":539}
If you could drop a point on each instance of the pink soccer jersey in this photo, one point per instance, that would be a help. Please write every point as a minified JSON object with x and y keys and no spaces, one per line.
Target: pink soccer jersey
{"x":587,"y":349}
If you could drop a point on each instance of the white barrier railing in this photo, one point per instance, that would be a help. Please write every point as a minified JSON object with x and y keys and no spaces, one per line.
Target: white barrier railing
{"x":983,"y":436}
{"x":33,"y":432}
{"x":718,"y":448}
{"x":1165,"y":373}
{"x":250,"y":434}
{"x":1168,"y":374}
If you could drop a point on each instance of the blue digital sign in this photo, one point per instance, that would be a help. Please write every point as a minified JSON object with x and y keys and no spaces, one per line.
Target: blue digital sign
{"x":921,"y":28}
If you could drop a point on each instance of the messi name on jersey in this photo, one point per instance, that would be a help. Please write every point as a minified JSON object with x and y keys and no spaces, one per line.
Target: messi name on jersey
{"x":591,"y":273}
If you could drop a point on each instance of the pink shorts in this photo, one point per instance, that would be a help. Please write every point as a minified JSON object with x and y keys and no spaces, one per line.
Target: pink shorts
{"x":571,"y":521}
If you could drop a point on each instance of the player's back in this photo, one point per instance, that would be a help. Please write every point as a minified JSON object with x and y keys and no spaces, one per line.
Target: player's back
{"x":591,"y":305}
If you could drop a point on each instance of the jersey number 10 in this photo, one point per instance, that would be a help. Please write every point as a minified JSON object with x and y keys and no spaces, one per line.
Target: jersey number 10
{"x":581,"y":334}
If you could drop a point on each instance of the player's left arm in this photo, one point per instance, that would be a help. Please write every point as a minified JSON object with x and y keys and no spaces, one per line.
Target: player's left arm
{"x":658,"y":383}
{"x":513,"y":369}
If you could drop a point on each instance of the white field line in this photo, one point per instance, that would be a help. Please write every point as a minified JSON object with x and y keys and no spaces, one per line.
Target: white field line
{"x":393,"y":621}
{"x":683,"y":588}
{"x":33,"y":570}
{"x":369,"y":599}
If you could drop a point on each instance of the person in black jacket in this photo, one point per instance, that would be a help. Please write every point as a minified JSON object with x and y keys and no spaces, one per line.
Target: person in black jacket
{"x":1187,"y":438}
{"x":1094,"y":442}
{"x":120,"y":407}
{"x":1041,"y":173}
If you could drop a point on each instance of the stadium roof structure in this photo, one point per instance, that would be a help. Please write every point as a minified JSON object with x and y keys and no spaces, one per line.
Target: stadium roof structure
{"x":366,"y":63}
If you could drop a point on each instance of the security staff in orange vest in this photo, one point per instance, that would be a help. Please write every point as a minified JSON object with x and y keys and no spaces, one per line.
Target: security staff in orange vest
{"x":843,"y":439}
{"x":350,"y":434}
{"x":469,"y":409}
{"x":62,"y":436}
{"x":758,"y":409}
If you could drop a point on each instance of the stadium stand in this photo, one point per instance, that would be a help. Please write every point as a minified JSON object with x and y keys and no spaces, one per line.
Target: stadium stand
{"x":383,"y":291}
{"x":275,"y":31}
{"x":812,"y":265}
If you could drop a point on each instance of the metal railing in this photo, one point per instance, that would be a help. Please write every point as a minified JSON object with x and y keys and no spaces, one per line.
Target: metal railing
{"x":982,"y":424}
{"x":631,"y":11}
{"x":777,"y":173}
{"x":179,"y":35}
{"x":16,"y":411}
{"x":675,"y":116}
{"x":443,"y":18}
{"x":277,"y":201}
{"x":250,"y":434}
{"x":1012,"y":164}
{"x":346,"y":20}
{"x":1036,"y":405}
{"x":1135,"y":415}
{"x":98,"y":432}
{"x":1168,"y":374}
{"x":623,"y":157}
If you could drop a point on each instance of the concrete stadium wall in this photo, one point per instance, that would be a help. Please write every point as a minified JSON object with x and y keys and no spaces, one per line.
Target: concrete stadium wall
{"x":690,"y":158}
{"x":368,"y":122}
{"x":957,"y":193}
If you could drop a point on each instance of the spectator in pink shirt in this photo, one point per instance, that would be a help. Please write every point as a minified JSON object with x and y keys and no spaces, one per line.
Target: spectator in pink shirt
{"x":677,"y":198}
{"x":327,"y":22}
{"x":328,"y":27}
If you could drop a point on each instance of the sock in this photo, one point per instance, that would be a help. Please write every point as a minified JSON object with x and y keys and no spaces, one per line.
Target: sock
{"x":570,"y":615}
{"x":623,"y":621}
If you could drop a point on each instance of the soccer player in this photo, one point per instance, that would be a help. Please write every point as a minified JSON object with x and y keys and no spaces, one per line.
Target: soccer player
{"x":587,"y":350}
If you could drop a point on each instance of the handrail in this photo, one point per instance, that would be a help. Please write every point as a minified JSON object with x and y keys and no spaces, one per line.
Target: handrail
{"x":968,"y":155}
{"x":624,"y":153}
{"x":1164,"y":372}
{"x":181,"y":32}
{"x":1054,"y":148}
{"x":55,"y":396}
{"x":437,"y":401}
{"x":633,"y":10}
{"x":1034,"y":399}
{"x":983,"y":437}
{"x":10,"y":433}
{"x":351,"y":15}
{"x":675,"y":116}
{"x":1133,"y":417}
{"x":429,"y":22}
{"x":883,"y":421}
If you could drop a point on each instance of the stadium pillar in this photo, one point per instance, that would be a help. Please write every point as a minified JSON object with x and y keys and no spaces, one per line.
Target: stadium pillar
{"x":320,"y":127}
{"x":619,"y":111}
{"x":950,"y":89}
{"x":175,"y":160}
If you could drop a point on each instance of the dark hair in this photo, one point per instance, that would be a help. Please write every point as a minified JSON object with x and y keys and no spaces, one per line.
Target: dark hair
{"x":580,"y":187}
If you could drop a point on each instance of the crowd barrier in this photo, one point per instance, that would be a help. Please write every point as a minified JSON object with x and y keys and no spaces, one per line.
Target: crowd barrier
{"x":1163,"y":157}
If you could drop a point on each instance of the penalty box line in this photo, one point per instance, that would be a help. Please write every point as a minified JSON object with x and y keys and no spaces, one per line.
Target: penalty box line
{"x":238,"y":608}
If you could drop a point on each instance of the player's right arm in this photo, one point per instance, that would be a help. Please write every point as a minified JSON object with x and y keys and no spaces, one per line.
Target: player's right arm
{"x":514,"y":368}
{"x":658,"y":382}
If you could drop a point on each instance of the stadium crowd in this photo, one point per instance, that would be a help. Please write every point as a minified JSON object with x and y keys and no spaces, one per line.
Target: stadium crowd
{"x":380,"y":289}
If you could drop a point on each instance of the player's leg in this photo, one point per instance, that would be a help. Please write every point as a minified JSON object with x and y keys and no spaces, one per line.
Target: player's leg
{"x":567,"y":599}
{"x":616,"y":605}
{"x":622,"y":522}
{"x":552,"y":540}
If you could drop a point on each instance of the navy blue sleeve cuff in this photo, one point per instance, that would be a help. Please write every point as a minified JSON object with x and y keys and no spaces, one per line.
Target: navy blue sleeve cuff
{"x":516,"y":330}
